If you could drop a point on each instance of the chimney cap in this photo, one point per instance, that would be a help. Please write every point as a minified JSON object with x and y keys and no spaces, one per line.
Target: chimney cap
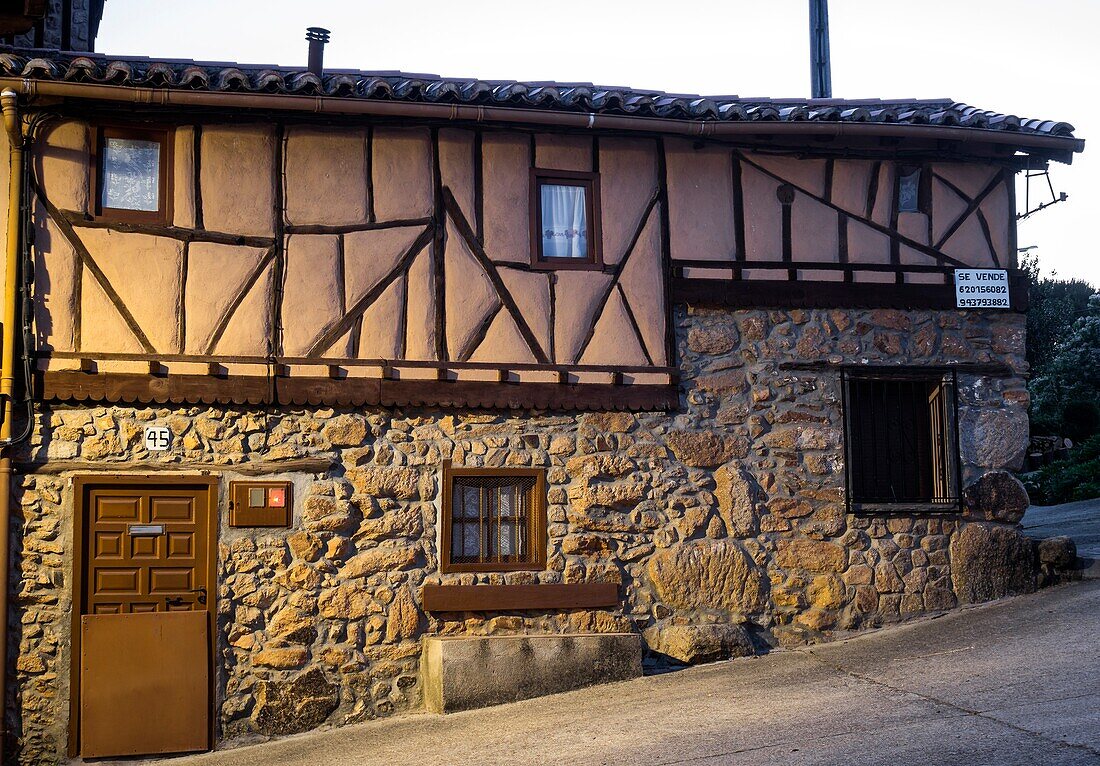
{"x":318,"y":34}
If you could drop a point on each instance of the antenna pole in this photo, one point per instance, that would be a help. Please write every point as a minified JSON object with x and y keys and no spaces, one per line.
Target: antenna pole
{"x":821,"y":80}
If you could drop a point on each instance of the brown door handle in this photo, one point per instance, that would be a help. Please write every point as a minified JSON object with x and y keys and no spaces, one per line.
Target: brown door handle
{"x":176,"y":601}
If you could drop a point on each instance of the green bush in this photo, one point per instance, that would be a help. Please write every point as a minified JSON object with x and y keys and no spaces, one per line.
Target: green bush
{"x":1069,"y":480}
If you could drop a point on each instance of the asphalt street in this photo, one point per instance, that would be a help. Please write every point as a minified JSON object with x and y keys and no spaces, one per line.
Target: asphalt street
{"x":1013,"y":682}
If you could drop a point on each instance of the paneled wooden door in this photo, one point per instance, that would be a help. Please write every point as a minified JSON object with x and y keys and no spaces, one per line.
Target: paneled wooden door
{"x":146,"y":549}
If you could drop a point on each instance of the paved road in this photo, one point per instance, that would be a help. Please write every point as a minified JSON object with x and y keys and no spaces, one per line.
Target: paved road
{"x":1015,"y":682}
{"x":1081,"y":521}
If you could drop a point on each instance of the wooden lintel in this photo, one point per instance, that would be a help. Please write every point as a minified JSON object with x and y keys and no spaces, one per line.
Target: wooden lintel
{"x":499,"y":598}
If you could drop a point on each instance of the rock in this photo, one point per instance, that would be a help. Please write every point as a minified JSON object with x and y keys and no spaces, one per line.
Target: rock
{"x":712,"y":340}
{"x":610,"y":422}
{"x":995,"y":438}
{"x":401,"y":522}
{"x":708,"y":574}
{"x":990,"y":561}
{"x":377,"y":560}
{"x":737,"y":494}
{"x":996,"y":496}
{"x":292,"y":626}
{"x":400,"y":483}
{"x":695,"y":644}
{"x":1058,"y":552}
{"x":346,"y":431}
{"x":282,"y":658}
{"x":403,"y":618}
{"x":812,"y":555}
{"x":347,"y":601}
{"x":296,"y":706}
{"x":699,"y":449}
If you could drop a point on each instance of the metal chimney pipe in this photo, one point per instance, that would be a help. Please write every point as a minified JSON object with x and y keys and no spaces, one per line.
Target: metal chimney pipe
{"x":821,"y":78}
{"x":317,"y":37}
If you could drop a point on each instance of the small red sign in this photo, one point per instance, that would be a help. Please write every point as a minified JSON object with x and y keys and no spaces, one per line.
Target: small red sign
{"x":276,"y":497}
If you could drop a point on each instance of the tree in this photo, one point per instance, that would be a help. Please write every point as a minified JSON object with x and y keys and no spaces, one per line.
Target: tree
{"x":1055,"y":304}
{"x":1065,"y":396}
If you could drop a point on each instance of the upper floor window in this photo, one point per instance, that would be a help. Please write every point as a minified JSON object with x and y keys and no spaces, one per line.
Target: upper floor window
{"x":494,"y":519}
{"x":565,"y":229}
{"x":132,"y":174}
{"x":912,"y":196}
{"x":901,"y":439}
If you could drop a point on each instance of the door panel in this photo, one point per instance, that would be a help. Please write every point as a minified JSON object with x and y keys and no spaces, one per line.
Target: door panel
{"x":144,"y":628}
{"x":151,"y":697}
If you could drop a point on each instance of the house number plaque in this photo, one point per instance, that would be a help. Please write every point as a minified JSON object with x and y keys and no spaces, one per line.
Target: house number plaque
{"x":157,"y":438}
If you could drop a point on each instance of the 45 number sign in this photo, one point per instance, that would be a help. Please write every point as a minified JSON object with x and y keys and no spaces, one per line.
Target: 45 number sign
{"x":157,"y":438}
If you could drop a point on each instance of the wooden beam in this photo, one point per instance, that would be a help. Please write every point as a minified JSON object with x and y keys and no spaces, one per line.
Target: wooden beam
{"x":499,"y":598}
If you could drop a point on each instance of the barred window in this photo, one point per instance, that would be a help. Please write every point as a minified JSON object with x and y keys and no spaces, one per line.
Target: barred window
{"x":493,"y":519}
{"x":901,"y":440}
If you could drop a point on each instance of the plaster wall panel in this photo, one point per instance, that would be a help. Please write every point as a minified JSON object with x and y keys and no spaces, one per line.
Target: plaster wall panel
{"x":805,"y":174}
{"x":614,"y":341}
{"x":642,"y":282}
{"x":456,"y":167}
{"x":420,"y":337}
{"x":56,"y":272}
{"x":531,"y":292}
{"x":370,"y":256}
{"x":382,"y":329}
{"x":471,"y":297}
{"x":763,"y":220}
{"x":884,"y":198}
{"x":147,"y":274}
{"x":216,"y":276}
{"x":313,"y":296}
{"x":700,"y":193}
{"x":867,"y":245}
{"x":914,"y":226}
{"x":909,"y":256}
{"x":402,"y":170}
{"x":507,"y":180}
{"x":558,"y":151}
{"x":62,"y":166}
{"x":102,"y":327}
{"x":968,"y":244}
{"x":326,"y":176}
{"x":237,"y":179}
{"x":503,"y":342}
{"x":183,"y":177}
{"x":249,"y":330}
{"x":851,"y":179}
{"x":998,"y":216}
{"x":946,"y":207}
{"x":970,"y":178}
{"x":576,"y":295}
{"x":628,"y":181}
{"x":813,"y":231}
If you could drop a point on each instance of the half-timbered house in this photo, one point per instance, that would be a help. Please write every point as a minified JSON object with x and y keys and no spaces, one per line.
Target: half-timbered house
{"x":332,"y":394}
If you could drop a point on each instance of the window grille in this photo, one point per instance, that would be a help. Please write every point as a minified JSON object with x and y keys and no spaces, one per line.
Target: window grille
{"x":901,"y":439}
{"x":493,"y":519}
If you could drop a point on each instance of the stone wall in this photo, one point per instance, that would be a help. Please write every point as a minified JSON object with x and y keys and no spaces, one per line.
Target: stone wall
{"x":728,"y":512}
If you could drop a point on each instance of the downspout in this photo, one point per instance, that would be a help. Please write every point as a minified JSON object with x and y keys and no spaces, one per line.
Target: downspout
{"x":9,"y":104}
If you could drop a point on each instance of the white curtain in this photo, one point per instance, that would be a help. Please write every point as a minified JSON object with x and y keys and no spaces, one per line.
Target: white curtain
{"x":564,"y":222}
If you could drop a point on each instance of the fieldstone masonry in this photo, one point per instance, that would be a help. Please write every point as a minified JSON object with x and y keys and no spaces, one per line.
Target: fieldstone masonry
{"x":724,"y":523}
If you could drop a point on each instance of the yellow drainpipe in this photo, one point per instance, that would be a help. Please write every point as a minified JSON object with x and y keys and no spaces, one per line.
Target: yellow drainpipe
{"x":10,"y":106}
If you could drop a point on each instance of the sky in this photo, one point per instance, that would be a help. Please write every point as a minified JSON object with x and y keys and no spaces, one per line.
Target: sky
{"x":1031,"y":58}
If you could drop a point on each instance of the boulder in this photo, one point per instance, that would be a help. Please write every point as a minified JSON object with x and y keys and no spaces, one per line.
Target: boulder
{"x":995,"y":438}
{"x":346,"y":431}
{"x":703,"y":449}
{"x":708,"y":574}
{"x":695,"y":644}
{"x":996,"y":496}
{"x":991,"y":561}
{"x":1059,"y":553}
{"x":291,"y":707}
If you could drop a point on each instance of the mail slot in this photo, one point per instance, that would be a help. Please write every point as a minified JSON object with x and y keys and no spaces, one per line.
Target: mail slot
{"x":145,"y":530}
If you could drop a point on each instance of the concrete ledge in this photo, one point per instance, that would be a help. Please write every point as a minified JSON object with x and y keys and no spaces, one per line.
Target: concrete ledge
{"x":466,"y":672}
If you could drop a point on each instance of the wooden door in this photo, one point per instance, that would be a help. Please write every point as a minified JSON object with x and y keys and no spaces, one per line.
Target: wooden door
{"x":147,"y":549}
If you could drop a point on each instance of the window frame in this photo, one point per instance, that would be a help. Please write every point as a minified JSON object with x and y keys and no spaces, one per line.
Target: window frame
{"x":537,"y":531}
{"x":924,"y":187}
{"x":591,"y":181}
{"x":947,"y":380}
{"x":161,"y":134}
